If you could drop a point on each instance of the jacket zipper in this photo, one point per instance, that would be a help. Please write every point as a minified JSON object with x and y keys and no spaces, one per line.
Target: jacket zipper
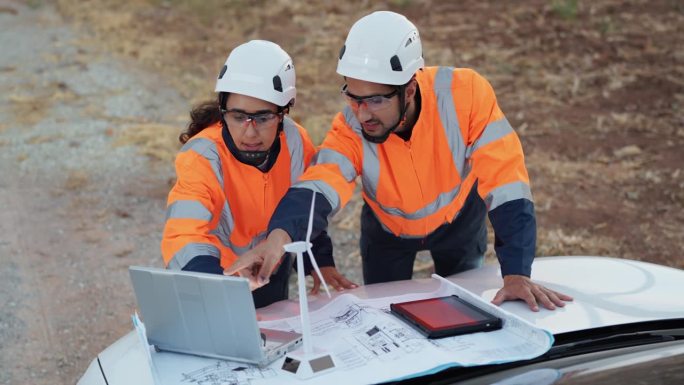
{"x":415,"y":172}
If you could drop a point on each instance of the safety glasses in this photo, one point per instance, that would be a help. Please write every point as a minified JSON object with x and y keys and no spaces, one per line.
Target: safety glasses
{"x":373,"y":103}
{"x":260,"y":119}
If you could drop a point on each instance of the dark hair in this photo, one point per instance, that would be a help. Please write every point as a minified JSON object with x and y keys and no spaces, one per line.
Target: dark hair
{"x":202,"y":116}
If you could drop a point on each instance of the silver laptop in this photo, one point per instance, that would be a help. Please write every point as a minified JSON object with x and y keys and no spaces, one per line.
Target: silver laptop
{"x":206,"y":315}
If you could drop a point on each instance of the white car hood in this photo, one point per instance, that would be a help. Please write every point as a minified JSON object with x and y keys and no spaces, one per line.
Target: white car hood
{"x":606,"y":291}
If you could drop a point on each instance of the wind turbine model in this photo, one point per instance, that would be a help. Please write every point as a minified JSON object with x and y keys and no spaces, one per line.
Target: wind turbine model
{"x":307,"y":361}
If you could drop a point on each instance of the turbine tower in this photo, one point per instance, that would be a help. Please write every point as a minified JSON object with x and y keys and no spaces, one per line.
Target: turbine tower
{"x":307,"y":361}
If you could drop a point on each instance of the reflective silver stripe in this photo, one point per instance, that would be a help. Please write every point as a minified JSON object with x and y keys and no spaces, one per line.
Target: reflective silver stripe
{"x":442,"y":200}
{"x":328,"y":156}
{"x":507,"y":193}
{"x":295,"y":145}
{"x":371,"y":172}
{"x":447,"y":114}
{"x":324,"y":188}
{"x":225,"y":225}
{"x":225,"y":228}
{"x":188,"y":209}
{"x":207,"y":149}
{"x":255,"y":241}
{"x":493,"y":132}
{"x":190,"y":251}
{"x":371,"y":169}
{"x":238,"y":250}
{"x":371,"y":163}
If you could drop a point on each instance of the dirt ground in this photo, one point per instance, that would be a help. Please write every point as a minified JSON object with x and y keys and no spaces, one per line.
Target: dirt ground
{"x":94,"y":93}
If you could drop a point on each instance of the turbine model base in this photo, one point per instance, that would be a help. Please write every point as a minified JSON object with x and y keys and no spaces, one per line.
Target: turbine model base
{"x":309,"y":365}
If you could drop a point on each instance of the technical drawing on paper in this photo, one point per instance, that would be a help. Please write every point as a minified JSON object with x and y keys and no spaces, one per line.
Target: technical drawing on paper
{"x":388,"y":340}
{"x":370,"y":343}
{"x":227,"y":373}
{"x":351,"y":317}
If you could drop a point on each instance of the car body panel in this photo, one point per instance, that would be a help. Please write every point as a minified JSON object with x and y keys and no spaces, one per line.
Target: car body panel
{"x":607,"y":292}
{"x":661,"y":363}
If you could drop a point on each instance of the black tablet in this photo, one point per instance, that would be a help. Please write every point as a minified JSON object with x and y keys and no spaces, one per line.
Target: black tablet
{"x":445,"y":316}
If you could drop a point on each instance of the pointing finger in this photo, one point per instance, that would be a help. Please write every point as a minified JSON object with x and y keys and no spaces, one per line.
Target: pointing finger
{"x":267,"y":269}
{"x":241,"y":263}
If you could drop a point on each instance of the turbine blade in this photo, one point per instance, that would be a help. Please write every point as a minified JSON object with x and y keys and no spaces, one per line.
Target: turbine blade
{"x":318,"y":271}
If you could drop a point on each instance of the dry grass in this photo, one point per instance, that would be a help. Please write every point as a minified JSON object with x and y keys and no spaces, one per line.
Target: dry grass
{"x":29,"y":108}
{"x":158,"y":141}
{"x":8,"y":10}
{"x":595,"y":89}
{"x":39,"y":139}
{"x":76,"y":180}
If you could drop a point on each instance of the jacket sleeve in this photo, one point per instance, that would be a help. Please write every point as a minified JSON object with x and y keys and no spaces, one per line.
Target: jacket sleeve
{"x":322,"y":250}
{"x":322,"y":247}
{"x":498,"y":163}
{"x":515,"y":236}
{"x":332,"y":175}
{"x":190,"y":210}
{"x":292,"y":215}
{"x":204,"y":264}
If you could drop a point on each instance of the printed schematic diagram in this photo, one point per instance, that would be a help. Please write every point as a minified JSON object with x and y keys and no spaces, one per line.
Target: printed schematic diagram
{"x":227,"y":373}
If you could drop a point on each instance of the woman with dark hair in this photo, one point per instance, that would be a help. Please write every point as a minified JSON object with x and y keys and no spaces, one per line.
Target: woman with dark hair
{"x":241,"y":154}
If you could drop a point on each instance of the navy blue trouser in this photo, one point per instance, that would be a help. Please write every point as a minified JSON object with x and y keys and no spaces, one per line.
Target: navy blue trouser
{"x":455,"y":247}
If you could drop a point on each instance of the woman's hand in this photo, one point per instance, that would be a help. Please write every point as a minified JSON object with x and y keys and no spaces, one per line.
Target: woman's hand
{"x":258,"y":264}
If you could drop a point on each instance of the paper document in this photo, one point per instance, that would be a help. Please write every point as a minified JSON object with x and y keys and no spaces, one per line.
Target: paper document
{"x":371,"y":345}
{"x":145,"y":346}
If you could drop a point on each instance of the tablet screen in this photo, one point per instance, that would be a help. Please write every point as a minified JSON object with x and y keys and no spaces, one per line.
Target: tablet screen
{"x":442,"y":313}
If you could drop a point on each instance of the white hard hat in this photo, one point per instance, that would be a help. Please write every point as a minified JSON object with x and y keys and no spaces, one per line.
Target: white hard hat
{"x":383,"y":47}
{"x":260,"y":69}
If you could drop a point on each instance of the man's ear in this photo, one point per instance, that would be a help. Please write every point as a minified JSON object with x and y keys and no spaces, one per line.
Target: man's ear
{"x":411,"y":89}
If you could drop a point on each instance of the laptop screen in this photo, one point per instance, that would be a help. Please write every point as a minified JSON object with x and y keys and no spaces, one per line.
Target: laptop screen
{"x":203,"y":314}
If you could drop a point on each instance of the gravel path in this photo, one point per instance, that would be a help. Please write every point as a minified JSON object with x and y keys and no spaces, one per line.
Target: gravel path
{"x":76,"y":209}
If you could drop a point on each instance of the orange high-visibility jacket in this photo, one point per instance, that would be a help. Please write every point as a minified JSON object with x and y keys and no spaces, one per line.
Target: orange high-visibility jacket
{"x":461,"y":136}
{"x":220,"y":206}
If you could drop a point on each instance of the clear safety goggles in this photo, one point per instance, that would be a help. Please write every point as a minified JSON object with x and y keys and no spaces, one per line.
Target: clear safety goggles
{"x":373,"y":103}
{"x":260,"y":119}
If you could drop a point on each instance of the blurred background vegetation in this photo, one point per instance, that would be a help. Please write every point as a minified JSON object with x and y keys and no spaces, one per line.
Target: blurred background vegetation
{"x":594,"y":88}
